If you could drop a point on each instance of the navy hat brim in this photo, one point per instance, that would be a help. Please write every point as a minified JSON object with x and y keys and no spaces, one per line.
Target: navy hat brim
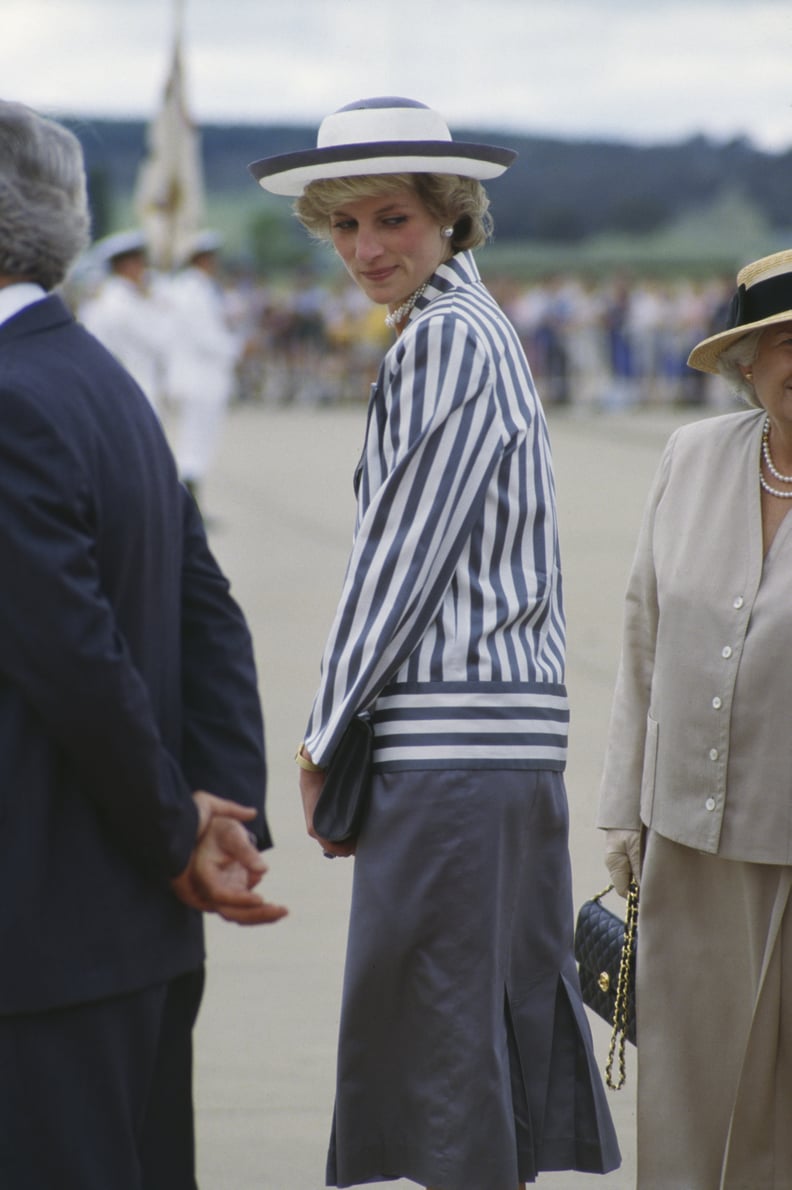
{"x":289,"y":173}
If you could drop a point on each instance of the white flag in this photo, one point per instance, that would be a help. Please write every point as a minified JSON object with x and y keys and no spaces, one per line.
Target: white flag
{"x":169,"y":197}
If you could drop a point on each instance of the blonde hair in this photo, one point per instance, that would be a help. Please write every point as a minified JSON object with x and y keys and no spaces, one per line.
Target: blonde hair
{"x":460,"y":202}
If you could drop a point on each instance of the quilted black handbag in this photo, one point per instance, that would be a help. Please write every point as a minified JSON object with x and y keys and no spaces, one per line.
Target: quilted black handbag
{"x":343,"y":802}
{"x":605,"y":948}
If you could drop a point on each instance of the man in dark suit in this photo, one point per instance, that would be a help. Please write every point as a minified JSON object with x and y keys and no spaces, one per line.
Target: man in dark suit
{"x":132,"y":766}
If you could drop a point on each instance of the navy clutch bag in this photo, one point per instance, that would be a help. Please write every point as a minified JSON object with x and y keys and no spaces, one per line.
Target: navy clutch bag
{"x":343,"y":802}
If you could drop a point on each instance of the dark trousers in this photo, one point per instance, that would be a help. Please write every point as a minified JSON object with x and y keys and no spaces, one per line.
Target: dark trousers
{"x":99,"y":1096}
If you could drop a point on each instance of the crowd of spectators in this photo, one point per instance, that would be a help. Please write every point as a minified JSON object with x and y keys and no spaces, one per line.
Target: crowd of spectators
{"x":607,"y":344}
{"x":611,"y":343}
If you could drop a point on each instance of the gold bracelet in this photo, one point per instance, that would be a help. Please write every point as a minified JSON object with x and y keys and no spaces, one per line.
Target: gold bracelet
{"x":305,"y":763}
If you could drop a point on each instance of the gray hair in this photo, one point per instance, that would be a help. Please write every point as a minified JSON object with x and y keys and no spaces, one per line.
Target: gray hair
{"x":44,"y":217}
{"x":742,"y":352}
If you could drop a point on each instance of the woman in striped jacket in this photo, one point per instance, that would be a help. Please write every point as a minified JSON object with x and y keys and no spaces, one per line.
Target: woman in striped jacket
{"x":465,"y":1058}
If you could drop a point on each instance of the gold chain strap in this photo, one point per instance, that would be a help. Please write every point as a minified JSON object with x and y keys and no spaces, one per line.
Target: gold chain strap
{"x":619,"y":1032}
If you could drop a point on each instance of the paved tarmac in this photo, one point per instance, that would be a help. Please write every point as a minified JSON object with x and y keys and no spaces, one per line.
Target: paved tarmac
{"x":281,"y":510}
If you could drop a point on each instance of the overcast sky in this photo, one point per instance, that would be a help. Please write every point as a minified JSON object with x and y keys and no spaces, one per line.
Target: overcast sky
{"x":639,"y":70}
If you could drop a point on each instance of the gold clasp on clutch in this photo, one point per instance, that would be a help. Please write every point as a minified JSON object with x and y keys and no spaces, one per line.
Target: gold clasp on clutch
{"x":603,"y":982}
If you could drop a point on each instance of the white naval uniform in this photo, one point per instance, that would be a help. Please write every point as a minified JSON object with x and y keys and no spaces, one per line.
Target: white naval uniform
{"x":132,"y":324}
{"x":201,"y":368}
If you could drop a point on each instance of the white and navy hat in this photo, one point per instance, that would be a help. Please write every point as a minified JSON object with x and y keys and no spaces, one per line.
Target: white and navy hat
{"x":763,"y":298}
{"x":120,"y":243}
{"x":200,"y":242}
{"x":386,"y":135}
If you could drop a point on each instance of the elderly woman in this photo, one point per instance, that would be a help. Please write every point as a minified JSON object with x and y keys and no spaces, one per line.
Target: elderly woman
{"x":698,"y":771}
{"x":465,"y":1059}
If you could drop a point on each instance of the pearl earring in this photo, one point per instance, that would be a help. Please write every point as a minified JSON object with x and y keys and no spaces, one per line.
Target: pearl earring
{"x":748,"y":375}
{"x":447,"y":232}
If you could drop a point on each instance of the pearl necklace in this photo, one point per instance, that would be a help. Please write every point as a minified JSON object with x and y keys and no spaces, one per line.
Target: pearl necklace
{"x":400,"y":313}
{"x":771,"y":467}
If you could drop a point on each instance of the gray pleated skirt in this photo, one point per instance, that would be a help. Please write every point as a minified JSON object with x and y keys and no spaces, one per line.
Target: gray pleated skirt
{"x":465,"y":1058}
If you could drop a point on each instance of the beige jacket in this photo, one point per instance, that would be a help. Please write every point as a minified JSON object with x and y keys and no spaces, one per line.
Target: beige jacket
{"x":700,"y":742}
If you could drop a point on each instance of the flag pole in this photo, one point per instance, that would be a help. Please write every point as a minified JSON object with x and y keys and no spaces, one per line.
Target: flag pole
{"x":169,"y":193}
{"x":178,"y":21}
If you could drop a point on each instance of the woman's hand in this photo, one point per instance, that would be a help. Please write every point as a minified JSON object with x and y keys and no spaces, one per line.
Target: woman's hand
{"x":623,"y":858}
{"x":310,"y":788}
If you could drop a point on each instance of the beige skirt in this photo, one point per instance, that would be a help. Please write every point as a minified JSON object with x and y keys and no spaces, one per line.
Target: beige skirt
{"x":714,"y":1022}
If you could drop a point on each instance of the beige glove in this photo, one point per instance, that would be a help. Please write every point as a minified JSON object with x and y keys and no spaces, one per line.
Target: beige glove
{"x":623,"y":858}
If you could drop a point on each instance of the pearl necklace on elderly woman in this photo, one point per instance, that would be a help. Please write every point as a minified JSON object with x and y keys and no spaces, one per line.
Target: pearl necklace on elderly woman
{"x":400,"y":313}
{"x":771,"y":467}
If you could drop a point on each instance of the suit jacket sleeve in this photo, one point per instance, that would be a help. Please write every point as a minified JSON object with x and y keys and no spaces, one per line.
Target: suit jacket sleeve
{"x":61,"y":648}
{"x":223,"y":732}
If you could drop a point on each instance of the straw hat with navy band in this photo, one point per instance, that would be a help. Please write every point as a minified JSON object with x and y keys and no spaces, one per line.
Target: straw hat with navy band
{"x":763,"y":298}
{"x":385,"y":135}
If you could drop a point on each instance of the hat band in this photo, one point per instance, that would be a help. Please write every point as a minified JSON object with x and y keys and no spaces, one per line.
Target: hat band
{"x":762,"y":300}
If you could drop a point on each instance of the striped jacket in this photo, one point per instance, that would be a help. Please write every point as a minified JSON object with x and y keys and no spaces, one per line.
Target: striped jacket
{"x":450,"y":628}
